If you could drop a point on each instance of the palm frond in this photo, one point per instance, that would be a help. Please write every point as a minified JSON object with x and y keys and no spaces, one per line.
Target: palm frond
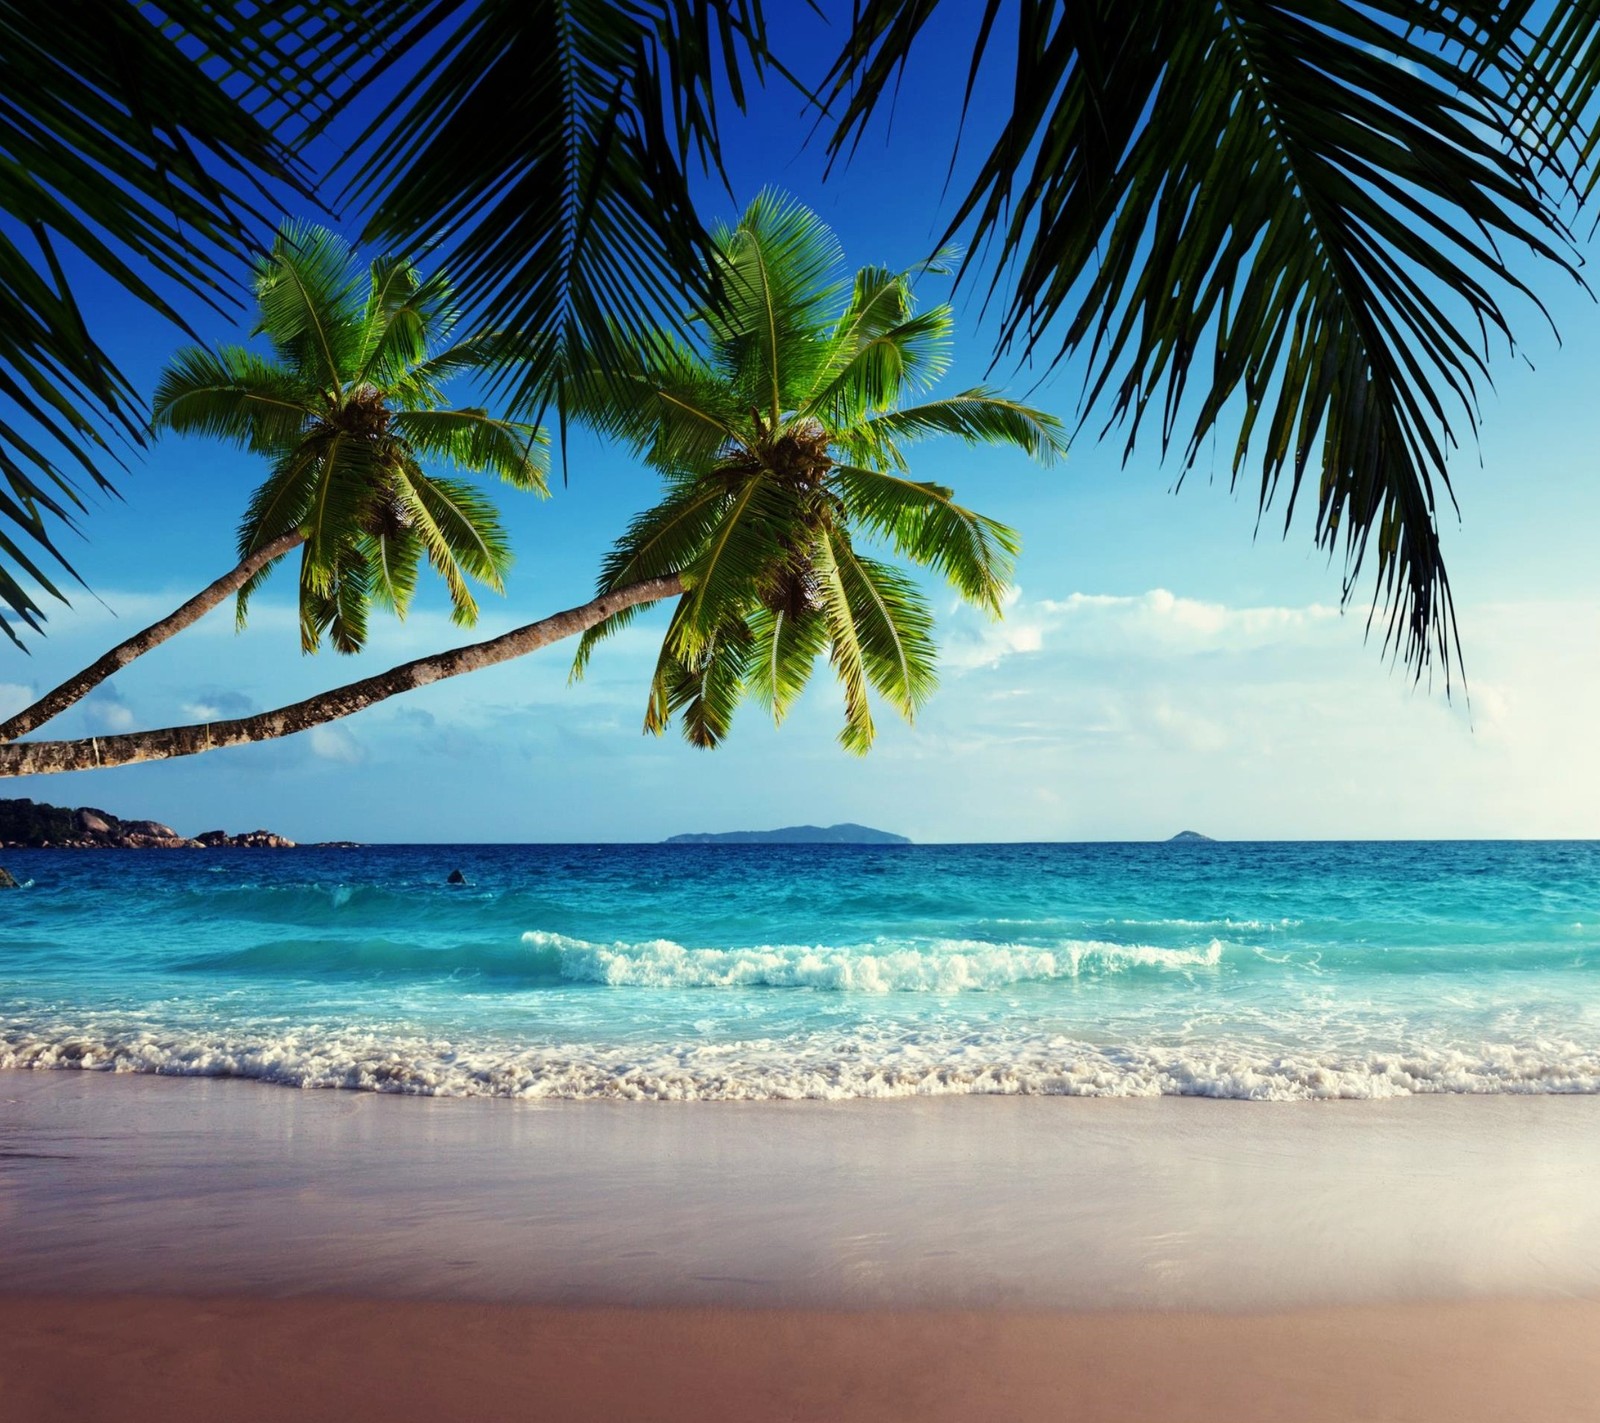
{"x":1305,"y":204}
{"x":703,"y":693}
{"x":751,"y":536}
{"x":922,"y":522}
{"x":841,"y":613}
{"x":232,"y":394}
{"x":137,"y":142}
{"x":462,"y":533}
{"x":978,"y":416}
{"x":407,"y":314}
{"x":665,"y":403}
{"x":334,"y":601}
{"x":472,"y":439}
{"x":308,"y":292}
{"x":547,"y":145}
{"x":392,"y":558}
{"x":786,"y":649}
{"x":779,"y":279}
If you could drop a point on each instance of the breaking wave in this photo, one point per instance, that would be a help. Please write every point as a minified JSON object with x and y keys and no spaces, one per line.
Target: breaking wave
{"x":845,"y":1066}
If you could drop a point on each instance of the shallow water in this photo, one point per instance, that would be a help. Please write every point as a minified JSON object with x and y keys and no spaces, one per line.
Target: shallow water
{"x":1263,"y":971}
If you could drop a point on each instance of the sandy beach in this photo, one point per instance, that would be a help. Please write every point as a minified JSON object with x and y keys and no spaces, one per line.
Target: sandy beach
{"x":183,"y":1249}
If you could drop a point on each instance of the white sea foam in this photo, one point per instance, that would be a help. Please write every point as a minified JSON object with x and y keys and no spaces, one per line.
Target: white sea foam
{"x":940,"y":966}
{"x":864,"y":1064}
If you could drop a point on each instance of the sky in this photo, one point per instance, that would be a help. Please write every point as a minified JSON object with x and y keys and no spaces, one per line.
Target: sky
{"x":1164,"y":663}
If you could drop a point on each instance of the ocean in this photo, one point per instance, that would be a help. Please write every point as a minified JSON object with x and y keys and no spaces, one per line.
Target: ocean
{"x":1260,"y":971}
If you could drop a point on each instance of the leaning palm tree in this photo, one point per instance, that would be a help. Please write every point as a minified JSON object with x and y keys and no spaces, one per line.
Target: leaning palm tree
{"x":347,"y":404}
{"x":783,"y":441}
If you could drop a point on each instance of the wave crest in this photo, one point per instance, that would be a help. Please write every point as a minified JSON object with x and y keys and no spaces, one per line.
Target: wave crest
{"x":942,"y":966}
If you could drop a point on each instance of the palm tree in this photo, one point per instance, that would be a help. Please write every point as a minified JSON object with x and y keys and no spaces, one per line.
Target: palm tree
{"x":783,"y":444}
{"x":347,"y":406}
{"x":782,"y":438}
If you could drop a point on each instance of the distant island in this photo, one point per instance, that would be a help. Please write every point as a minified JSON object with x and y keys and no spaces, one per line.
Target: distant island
{"x":1187,"y":837}
{"x":26,"y":824}
{"x":796,"y":835}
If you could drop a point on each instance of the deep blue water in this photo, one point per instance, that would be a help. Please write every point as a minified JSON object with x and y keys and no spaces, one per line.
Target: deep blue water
{"x":1272,"y":970}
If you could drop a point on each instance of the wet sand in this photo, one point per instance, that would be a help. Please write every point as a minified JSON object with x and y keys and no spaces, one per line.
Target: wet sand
{"x":202,"y":1248}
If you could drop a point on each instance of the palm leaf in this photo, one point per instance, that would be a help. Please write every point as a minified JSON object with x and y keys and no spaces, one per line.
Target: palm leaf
{"x":787,"y":646}
{"x":546,"y":143}
{"x":978,"y":416}
{"x":841,"y":612}
{"x":779,"y":279}
{"x":925,"y":524}
{"x":232,"y":394}
{"x":472,"y":439}
{"x":147,"y":162}
{"x":308,"y":291}
{"x":894,"y":627}
{"x":1308,"y":203}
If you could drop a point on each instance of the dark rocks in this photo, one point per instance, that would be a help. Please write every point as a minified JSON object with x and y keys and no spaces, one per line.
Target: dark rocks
{"x":456,"y":877}
{"x":24,"y":823}
{"x":7,"y":879}
{"x":261,"y":840}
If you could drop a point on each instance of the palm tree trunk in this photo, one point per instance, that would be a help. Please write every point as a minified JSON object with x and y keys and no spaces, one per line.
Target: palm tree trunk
{"x":79,"y":685}
{"x":26,"y":758}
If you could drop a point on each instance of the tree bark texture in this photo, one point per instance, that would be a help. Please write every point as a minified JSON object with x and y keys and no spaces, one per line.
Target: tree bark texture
{"x":80,"y":684}
{"x":27,"y":758}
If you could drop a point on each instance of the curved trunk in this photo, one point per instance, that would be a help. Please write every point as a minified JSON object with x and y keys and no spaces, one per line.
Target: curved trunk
{"x":78,"y":686}
{"x":26,"y":758}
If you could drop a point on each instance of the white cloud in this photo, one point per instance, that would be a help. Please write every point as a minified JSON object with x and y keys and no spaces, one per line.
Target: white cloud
{"x":106,"y":712}
{"x":332,"y":743}
{"x":1158,"y":622}
{"x":13,"y":697}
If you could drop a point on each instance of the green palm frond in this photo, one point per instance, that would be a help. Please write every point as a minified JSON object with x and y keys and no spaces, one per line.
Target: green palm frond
{"x":472,"y":439}
{"x":283,"y":500}
{"x":978,"y":416}
{"x":748,"y":540}
{"x":703,"y":693}
{"x":393,"y":557}
{"x":923,"y":523}
{"x":406,"y":315}
{"x":128,"y":154}
{"x":232,"y":394}
{"x":1304,"y":208}
{"x":343,"y":473}
{"x":334,"y":602}
{"x":894,"y":626}
{"x":548,"y":145}
{"x":308,"y":291}
{"x":841,"y":612}
{"x":872,"y":372}
{"x":787,"y":646}
{"x":779,"y":280}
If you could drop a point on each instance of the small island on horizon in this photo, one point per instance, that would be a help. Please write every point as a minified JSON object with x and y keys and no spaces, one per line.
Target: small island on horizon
{"x":845,"y":834}
{"x":1191,"y":837}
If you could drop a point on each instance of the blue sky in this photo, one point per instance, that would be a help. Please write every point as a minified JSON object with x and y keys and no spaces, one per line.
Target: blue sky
{"x":1163,"y":665}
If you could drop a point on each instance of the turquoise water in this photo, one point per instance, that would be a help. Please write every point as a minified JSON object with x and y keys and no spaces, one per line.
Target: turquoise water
{"x":1264,"y":971}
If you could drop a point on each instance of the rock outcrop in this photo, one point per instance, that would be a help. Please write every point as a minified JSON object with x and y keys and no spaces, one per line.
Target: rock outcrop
{"x":36,"y":825}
